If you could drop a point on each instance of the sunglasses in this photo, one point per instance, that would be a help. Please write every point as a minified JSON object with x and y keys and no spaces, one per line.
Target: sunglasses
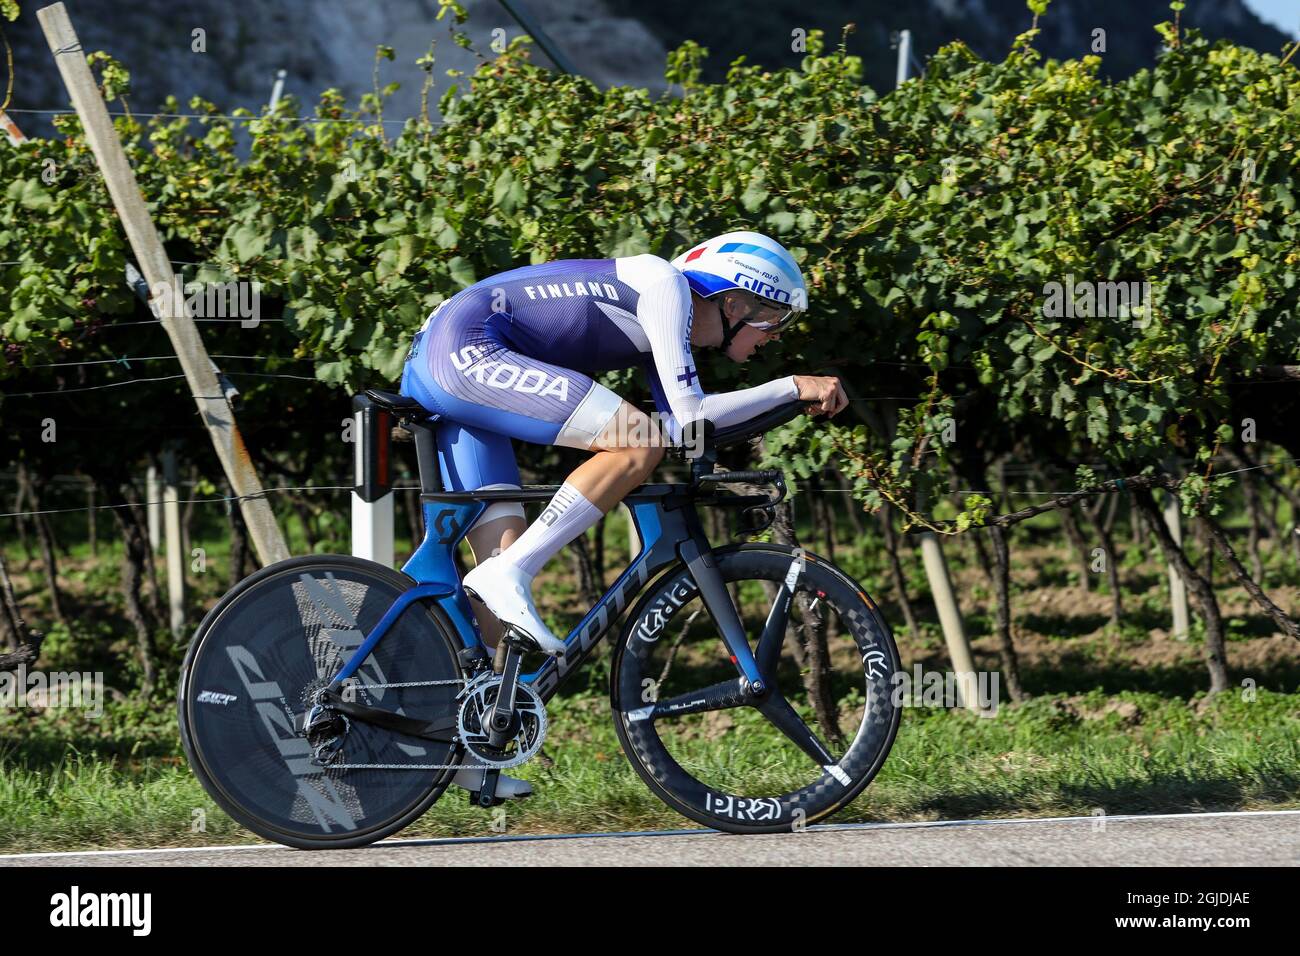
{"x":766,"y":315}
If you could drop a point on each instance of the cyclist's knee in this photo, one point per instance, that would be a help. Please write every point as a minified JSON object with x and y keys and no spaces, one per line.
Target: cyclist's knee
{"x":645,"y":458}
{"x":634,"y":464}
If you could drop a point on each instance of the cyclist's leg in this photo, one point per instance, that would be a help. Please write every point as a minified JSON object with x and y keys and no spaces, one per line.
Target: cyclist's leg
{"x":627,"y":450}
{"x":625,"y":445}
{"x":471,"y":377}
{"x":624,"y":455}
{"x":474,"y":459}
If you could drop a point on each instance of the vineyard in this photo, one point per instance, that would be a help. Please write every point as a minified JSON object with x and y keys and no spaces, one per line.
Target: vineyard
{"x":1066,"y":310}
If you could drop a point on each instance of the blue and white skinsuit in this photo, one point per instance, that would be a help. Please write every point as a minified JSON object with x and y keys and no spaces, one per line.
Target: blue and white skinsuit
{"x":512,"y":357}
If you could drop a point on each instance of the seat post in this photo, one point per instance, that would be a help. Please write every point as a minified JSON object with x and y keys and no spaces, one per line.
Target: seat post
{"x":426,"y":457}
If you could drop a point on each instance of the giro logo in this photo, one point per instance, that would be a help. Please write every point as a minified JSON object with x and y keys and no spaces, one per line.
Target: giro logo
{"x":759,"y":287}
{"x":495,"y":374}
{"x":444,"y":522}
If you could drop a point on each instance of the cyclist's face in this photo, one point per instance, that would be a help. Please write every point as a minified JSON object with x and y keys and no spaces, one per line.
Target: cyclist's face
{"x":748,"y":339}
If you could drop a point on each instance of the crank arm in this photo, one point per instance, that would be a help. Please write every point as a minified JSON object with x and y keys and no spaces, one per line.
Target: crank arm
{"x":503,"y":709}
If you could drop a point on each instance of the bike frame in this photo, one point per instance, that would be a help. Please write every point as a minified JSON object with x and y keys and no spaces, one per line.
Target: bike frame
{"x":669,"y":530}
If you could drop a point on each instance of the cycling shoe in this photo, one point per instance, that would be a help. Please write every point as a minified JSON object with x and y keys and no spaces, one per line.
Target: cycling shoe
{"x":507,"y":592}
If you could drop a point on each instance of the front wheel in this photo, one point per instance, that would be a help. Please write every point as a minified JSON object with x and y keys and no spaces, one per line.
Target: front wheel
{"x":798,"y":753}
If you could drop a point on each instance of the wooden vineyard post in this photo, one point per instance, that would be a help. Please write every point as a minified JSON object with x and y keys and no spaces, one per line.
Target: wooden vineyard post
{"x":1177,"y":588}
{"x":954,"y":630}
{"x":214,"y":409}
{"x":153,"y":507}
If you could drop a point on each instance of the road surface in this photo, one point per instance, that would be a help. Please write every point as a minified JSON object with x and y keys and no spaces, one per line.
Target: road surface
{"x":1266,"y":838}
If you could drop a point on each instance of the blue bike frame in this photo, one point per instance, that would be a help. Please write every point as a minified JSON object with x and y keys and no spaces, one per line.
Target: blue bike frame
{"x":667,"y":526}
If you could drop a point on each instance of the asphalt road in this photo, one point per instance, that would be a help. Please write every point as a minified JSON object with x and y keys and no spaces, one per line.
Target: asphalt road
{"x":1267,"y":838}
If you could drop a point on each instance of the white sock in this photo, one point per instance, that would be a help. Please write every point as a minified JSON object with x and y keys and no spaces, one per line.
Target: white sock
{"x":568,"y":515}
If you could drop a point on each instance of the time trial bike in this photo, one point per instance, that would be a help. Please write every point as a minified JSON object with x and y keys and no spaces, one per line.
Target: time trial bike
{"x":327,"y":701}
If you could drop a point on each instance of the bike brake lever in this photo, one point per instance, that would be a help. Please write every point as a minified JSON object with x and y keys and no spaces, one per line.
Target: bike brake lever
{"x":747,"y":527}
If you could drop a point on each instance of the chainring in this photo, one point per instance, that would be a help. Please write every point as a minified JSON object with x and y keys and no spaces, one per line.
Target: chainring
{"x":479,"y":697}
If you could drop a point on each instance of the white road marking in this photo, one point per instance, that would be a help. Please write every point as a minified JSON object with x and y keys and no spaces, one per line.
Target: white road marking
{"x":539,"y":837}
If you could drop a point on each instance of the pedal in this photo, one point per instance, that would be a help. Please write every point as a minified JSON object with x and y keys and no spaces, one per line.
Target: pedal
{"x":501,"y":721}
{"x":516,"y":638}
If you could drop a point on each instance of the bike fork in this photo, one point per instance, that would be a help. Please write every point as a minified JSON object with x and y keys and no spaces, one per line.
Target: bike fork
{"x":713,"y":592}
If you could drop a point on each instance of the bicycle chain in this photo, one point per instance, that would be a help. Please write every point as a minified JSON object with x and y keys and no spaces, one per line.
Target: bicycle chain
{"x":414,"y":683}
{"x":513,"y":762}
{"x":409,"y":766}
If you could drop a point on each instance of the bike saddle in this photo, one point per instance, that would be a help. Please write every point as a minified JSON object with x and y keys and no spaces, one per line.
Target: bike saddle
{"x":399,"y":405}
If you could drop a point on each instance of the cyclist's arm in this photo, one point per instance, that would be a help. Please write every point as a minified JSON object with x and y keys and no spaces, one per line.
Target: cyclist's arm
{"x":664,"y":312}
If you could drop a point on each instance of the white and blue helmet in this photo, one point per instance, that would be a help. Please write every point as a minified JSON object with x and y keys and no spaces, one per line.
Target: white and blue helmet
{"x":745,"y":260}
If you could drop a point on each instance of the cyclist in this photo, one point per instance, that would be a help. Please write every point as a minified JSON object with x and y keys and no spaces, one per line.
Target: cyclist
{"x":512,"y":356}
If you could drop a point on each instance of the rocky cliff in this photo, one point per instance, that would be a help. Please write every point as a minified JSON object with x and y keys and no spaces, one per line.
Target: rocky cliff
{"x":324,"y":43}
{"x":319,"y":43}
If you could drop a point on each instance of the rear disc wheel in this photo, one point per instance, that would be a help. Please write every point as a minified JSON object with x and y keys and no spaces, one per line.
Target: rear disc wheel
{"x":254,"y":666}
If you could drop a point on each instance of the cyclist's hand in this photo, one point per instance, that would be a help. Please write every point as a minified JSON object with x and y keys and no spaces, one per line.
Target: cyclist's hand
{"x":824,"y":392}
